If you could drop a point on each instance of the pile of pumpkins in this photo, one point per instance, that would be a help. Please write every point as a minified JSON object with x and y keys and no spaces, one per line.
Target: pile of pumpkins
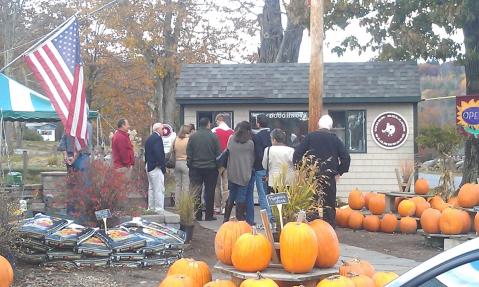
{"x":6,"y":273}
{"x":435,"y":215}
{"x":302,"y":247}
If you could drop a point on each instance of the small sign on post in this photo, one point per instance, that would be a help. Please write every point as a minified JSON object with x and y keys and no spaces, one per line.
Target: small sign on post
{"x":278,"y":199}
{"x":103,"y":215}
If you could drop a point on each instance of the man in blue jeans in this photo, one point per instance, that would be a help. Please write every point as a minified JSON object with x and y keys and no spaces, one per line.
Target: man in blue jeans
{"x":261,"y":141}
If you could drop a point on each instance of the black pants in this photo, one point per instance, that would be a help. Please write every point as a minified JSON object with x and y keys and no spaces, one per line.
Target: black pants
{"x":206,"y":177}
{"x":328,"y":199}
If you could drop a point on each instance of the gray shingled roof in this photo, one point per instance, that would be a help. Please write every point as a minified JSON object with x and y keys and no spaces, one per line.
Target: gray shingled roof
{"x":348,"y":82}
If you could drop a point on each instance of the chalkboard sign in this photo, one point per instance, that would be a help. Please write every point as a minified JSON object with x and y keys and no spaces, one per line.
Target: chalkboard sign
{"x":277,"y":198}
{"x":102,"y":214}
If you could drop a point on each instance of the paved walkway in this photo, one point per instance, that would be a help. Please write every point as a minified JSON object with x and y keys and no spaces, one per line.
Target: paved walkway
{"x":381,"y":261}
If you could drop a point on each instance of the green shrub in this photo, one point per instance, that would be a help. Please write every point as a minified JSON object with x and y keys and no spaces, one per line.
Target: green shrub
{"x":31,"y":135}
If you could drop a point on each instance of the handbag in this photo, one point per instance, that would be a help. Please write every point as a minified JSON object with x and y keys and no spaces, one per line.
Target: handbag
{"x":171,"y":157}
{"x":222,"y":159}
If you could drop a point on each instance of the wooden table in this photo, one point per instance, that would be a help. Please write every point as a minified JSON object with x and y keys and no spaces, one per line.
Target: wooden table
{"x":446,"y":241}
{"x":391,"y":196}
{"x":279,"y":275}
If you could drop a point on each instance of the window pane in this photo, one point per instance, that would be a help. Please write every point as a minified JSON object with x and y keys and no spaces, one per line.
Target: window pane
{"x":339,"y":124}
{"x":295,"y":124}
{"x":212,"y":115}
{"x":464,"y":275}
{"x":356,"y":131}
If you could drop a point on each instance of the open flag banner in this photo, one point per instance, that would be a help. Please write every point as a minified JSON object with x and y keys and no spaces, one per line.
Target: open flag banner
{"x":467,"y":110}
{"x":57,"y":65}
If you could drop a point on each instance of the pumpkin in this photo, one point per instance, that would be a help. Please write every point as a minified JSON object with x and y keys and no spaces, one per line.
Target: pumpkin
{"x":361,"y":280}
{"x":466,"y":221}
{"x":328,"y":244}
{"x":421,"y":186}
{"x":356,"y":199}
{"x":371,"y":223}
{"x":381,"y":279}
{"x":356,"y":266}
{"x":178,"y":280}
{"x":407,"y":207}
{"x":248,"y":246}
{"x":449,"y":222}
{"x":226,"y":237}
{"x":476,"y":223}
{"x":437,"y":202}
{"x":377,"y":204}
{"x":467,"y":196}
{"x":418,"y":199}
{"x":356,"y":220}
{"x":336,"y":281}
{"x":196,"y":270}
{"x":368,"y":196}
{"x":6,"y":273}
{"x":408,"y":225}
{"x":259,"y":282}
{"x":453,"y":201}
{"x":220,"y":283}
{"x":389,"y":223}
{"x":299,"y":247}
{"x":420,"y":207}
{"x":342,"y":216}
{"x":430,"y":221}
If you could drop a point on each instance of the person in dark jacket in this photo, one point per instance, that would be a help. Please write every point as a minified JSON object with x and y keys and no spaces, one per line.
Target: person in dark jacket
{"x":327,"y":149}
{"x":155,"y":168}
{"x":262,"y":140}
{"x":201,"y":152}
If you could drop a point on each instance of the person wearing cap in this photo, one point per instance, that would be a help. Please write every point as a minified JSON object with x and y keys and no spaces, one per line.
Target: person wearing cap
{"x":155,"y":169}
{"x":333,"y":158}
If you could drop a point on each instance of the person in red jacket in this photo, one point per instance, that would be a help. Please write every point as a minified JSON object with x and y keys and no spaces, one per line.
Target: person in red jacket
{"x":223,"y":133}
{"x":122,"y":149}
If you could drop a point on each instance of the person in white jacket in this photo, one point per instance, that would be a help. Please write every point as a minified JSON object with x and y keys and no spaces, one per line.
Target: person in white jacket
{"x":278,"y":157}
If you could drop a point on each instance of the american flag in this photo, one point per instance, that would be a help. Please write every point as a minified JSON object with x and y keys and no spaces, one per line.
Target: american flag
{"x":57,"y":65}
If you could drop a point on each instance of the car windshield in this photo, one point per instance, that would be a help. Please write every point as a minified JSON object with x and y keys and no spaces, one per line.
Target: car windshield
{"x":461,"y":276}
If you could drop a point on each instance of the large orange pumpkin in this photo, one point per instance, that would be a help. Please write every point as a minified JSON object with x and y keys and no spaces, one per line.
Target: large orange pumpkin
{"x":466,"y":221}
{"x":407,"y":208}
{"x":371,"y":223}
{"x":453,"y":201}
{"x":421,"y":186}
{"x":356,"y":266}
{"x":437,"y":202}
{"x":342,"y":216}
{"x":259,"y":282}
{"x":196,"y":270}
{"x":368,"y":196}
{"x":299,"y":247}
{"x":450,"y":222}
{"x":6,"y":273}
{"x":377,"y":204}
{"x":361,"y":280}
{"x":476,"y":223}
{"x":420,"y":207}
{"x":336,"y":281}
{"x":430,"y":221}
{"x":381,"y":279}
{"x":220,"y":283}
{"x":178,"y":280}
{"x":328,"y":244}
{"x":408,"y":225}
{"x":248,"y":246}
{"x":356,"y":220}
{"x":226,"y":237}
{"x":356,"y":199}
{"x":467,"y":196}
{"x":389,"y":223}
{"x":418,"y":199}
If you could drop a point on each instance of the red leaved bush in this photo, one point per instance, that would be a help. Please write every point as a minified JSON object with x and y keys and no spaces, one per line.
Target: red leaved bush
{"x":101,"y":187}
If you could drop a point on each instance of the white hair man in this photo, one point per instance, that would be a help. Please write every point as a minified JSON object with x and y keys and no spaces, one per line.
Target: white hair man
{"x":334,"y":160}
{"x":155,"y":169}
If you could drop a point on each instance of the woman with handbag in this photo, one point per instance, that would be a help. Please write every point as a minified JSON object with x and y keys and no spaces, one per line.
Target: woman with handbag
{"x":240,"y":169}
{"x":182,"y":178}
{"x":277,"y":158}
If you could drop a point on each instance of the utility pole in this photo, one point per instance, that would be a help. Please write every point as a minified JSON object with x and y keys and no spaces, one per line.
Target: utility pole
{"x":316,"y":67}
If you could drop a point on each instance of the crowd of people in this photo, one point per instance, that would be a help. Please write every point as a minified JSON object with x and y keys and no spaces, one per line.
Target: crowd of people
{"x":221,"y":167}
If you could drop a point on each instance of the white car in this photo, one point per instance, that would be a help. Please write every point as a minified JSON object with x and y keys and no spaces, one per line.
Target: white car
{"x":456,"y":267}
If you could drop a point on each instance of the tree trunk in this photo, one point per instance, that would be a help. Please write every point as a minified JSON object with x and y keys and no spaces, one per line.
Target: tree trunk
{"x":169,"y":106}
{"x":271,"y":31}
{"x":470,"y":172}
{"x":289,"y":49}
{"x":159,"y":94}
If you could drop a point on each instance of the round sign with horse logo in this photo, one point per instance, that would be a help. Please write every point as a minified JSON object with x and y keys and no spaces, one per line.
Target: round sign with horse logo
{"x":390,"y":130}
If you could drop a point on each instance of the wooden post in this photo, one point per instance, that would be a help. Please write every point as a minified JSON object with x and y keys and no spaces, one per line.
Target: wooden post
{"x":316,"y":67}
{"x":25,"y":164}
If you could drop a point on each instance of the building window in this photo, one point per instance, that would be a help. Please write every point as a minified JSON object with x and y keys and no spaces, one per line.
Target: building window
{"x":295,"y":124}
{"x":212,"y":115}
{"x":350,"y":127}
